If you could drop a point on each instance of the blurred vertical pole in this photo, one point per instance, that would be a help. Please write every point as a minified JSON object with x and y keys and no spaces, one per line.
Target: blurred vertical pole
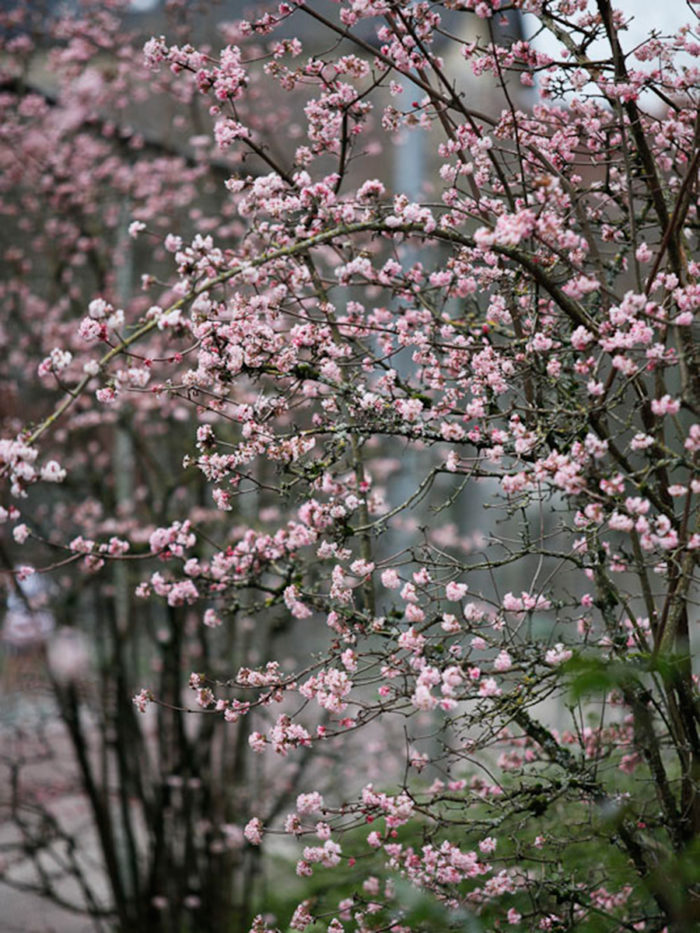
{"x":123,"y":453}
{"x":408,"y":171}
{"x":123,"y":472}
{"x":410,"y":160}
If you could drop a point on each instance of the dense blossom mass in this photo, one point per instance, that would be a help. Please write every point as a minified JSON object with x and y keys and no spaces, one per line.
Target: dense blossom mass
{"x":441,"y":431}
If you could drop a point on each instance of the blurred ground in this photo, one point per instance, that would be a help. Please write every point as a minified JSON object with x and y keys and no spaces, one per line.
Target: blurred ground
{"x":26,"y":913}
{"x":38,"y":791}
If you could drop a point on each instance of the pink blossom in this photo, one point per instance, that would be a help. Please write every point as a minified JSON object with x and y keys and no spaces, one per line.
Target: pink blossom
{"x":630,"y":763}
{"x":455,"y":591}
{"x":361,"y":568}
{"x":450,"y":623}
{"x":317,"y":369}
{"x":142,"y":699}
{"x":409,"y":409}
{"x":372,"y":188}
{"x":503,"y":662}
{"x":423,"y":698}
{"x":643,"y":253}
{"x":665,"y":405}
{"x":489,"y":688}
{"x":411,"y":640}
{"x":211,"y":619}
{"x":301,"y":918}
{"x":580,"y":338}
{"x":99,"y":308}
{"x":297,"y":608}
{"x":154,"y":51}
{"x":558,"y":655}
{"x":20,"y":533}
{"x":253,"y":831}
{"x":309,"y":803}
{"x":181,"y":593}
{"x":257,"y":741}
{"x":524,"y":602}
{"x":391,"y":579}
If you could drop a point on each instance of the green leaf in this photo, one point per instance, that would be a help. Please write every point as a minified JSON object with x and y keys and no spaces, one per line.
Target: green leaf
{"x":421,"y":907}
{"x":597,"y":675}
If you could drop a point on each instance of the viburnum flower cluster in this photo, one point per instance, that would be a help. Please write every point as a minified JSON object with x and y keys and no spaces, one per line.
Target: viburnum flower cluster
{"x":372,"y":369}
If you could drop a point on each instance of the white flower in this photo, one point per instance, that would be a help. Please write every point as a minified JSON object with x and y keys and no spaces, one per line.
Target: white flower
{"x":53,"y":472}
{"x":557,"y":655}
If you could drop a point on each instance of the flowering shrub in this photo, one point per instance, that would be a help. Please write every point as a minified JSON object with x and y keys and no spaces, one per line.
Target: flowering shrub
{"x":368,"y":366}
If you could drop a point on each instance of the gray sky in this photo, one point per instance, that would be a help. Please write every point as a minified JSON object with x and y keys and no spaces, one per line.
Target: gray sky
{"x":664,"y":15}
